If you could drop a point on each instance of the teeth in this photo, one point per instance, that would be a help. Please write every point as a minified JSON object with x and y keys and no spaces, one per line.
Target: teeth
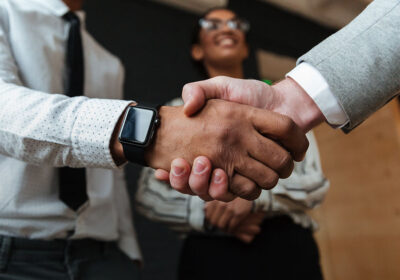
{"x":227,"y":42}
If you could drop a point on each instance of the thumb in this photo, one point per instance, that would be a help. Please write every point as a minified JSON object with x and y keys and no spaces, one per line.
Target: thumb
{"x":162,"y":175}
{"x":196,"y":94}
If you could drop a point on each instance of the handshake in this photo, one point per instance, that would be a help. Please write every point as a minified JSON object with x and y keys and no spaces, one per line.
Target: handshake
{"x":238,"y":145}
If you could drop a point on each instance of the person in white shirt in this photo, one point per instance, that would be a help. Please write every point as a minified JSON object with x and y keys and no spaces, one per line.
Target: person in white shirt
{"x":64,"y":207}
{"x":276,"y":228}
{"x":342,"y":81}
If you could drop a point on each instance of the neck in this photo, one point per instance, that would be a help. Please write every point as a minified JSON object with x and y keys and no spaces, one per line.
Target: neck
{"x":74,"y":5}
{"x":234,"y":71}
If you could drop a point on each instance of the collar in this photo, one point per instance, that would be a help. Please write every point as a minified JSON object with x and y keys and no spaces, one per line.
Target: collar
{"x":59,"y":8}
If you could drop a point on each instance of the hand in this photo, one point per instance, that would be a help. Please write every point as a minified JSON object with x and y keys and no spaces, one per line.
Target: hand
{"x":231,"y":136}
{"x":227,"y":216}
{"x":283,"y":97}
{"x":249,"y":227}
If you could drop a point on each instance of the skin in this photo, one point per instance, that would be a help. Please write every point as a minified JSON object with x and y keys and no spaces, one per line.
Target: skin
{"x":244,"y":159}
{"x":282,"y":97}
{"x":216,"y":132}
{"x":74,"y":5}
{"x":221,"y":51}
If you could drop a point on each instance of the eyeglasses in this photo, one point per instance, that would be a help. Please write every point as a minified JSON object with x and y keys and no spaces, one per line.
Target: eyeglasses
{"x":215,"y":24}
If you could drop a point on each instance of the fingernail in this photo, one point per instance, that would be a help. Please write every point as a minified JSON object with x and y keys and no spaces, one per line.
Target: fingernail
{"x":177,"y":171}
{"x":199,"y":167}
{"x":217,"y":178}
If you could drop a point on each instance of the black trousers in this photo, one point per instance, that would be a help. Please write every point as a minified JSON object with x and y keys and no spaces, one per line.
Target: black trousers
{"x":283,"y":250}
{"x":87,"y":259}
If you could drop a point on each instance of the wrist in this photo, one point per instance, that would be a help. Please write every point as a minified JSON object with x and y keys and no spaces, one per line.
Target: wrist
{"x":117,"y":151}
{"x":156,"y":153}
{"x":294,"y":102}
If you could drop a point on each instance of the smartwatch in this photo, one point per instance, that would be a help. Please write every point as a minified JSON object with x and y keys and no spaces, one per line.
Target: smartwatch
{"x":137,"y":132}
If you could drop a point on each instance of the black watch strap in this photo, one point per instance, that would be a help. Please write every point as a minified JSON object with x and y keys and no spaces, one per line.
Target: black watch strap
{"x":135,"y":153}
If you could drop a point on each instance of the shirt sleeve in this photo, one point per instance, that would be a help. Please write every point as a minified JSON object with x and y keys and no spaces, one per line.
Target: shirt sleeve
{"x":315,"y":85}
{"x":160,"y":203}
{"x":303,"y":190}
{"x":53,"y":129}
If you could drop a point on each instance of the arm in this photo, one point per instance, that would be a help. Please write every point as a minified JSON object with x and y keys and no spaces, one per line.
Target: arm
{"x":361,"y":62}
{"x":52,"y":129}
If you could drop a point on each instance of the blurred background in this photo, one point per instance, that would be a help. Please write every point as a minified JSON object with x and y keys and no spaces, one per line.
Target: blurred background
{"x":359,"y":236}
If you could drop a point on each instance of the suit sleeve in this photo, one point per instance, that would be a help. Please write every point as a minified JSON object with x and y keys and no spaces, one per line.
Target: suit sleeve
{"x":361,"y":62}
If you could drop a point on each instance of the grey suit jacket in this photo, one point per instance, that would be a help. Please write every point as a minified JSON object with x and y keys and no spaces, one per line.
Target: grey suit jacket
{"x":361,"y":62}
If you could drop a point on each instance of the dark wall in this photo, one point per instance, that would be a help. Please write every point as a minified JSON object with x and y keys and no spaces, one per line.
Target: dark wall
{"x":152,"y":40}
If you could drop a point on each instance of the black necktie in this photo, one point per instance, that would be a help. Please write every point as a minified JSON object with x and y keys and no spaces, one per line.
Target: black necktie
{"x":72,"y":181}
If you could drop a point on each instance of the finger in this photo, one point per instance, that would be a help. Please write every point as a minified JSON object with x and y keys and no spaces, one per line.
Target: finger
{"x":209,"y":209}
{"x":224,"y":219}
{"x":218,"y":211}
{"x":244,"y":187}
{"x":246,"y":238}
{"x":179,"y":176}
{"x":200,"y":176}
{"x":248,"y":229}
{"x":282,"y":129}
{"x":196,"y":94}
{"x":162,"y":175}
{"x":260,"y":174}
{"x":219,"y":188}
{"x":271,"y":154}
{"x":234,"y":222}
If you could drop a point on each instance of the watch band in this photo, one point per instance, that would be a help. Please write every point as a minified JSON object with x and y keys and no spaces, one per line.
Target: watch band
{"x":135,"y":153}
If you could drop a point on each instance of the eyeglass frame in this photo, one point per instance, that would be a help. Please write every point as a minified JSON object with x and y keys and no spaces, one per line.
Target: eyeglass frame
{"x":244,"y":23}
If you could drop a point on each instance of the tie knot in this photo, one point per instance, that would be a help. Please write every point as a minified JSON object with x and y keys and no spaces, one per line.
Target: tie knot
{"x":71,"y":17}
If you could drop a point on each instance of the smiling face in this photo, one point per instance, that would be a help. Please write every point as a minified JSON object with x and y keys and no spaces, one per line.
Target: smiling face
{"x":222,"y":46}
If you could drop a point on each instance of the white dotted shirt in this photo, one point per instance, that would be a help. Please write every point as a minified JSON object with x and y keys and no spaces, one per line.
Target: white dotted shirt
{"x":41,"y":129}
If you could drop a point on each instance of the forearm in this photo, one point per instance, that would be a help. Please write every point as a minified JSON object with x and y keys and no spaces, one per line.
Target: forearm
{"x":52,"y":129}
{"x":361,"y":62}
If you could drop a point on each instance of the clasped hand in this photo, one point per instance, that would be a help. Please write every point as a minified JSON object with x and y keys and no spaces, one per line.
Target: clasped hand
{"x":237,"y":149}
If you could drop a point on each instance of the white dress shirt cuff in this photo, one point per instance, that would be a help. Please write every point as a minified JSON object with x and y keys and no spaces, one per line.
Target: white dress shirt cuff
{"x":311,"y":80}
{"x":92,"y":131}
{"x":196,"y":213}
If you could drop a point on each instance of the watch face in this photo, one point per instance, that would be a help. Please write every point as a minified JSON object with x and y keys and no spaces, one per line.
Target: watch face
{"x":137,"y":125}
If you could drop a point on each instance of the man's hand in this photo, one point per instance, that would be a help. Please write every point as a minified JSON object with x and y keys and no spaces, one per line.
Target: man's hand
{"x":227,"y":216}
{"x":247,"y":230}
{"x":286,"y":97}
{"x":233,"y":138}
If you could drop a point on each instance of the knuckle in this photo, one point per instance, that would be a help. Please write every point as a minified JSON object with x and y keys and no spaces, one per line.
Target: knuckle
{"x":305,"y":146}
{"x":270,"y":181}
{"x":253,"y":195}
{"x":220,"y":79}
{"x":285,"y":163}
{"x":246,"y":190}
{"x":288,"y":126}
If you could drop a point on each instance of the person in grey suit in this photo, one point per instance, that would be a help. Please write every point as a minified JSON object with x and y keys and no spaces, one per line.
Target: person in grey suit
{"x":342,"y":81}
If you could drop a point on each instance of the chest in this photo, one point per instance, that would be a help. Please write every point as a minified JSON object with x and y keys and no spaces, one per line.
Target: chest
{"x":38,"y":44}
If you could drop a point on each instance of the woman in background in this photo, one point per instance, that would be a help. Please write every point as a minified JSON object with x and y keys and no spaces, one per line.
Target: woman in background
{"x":271,"y":237}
